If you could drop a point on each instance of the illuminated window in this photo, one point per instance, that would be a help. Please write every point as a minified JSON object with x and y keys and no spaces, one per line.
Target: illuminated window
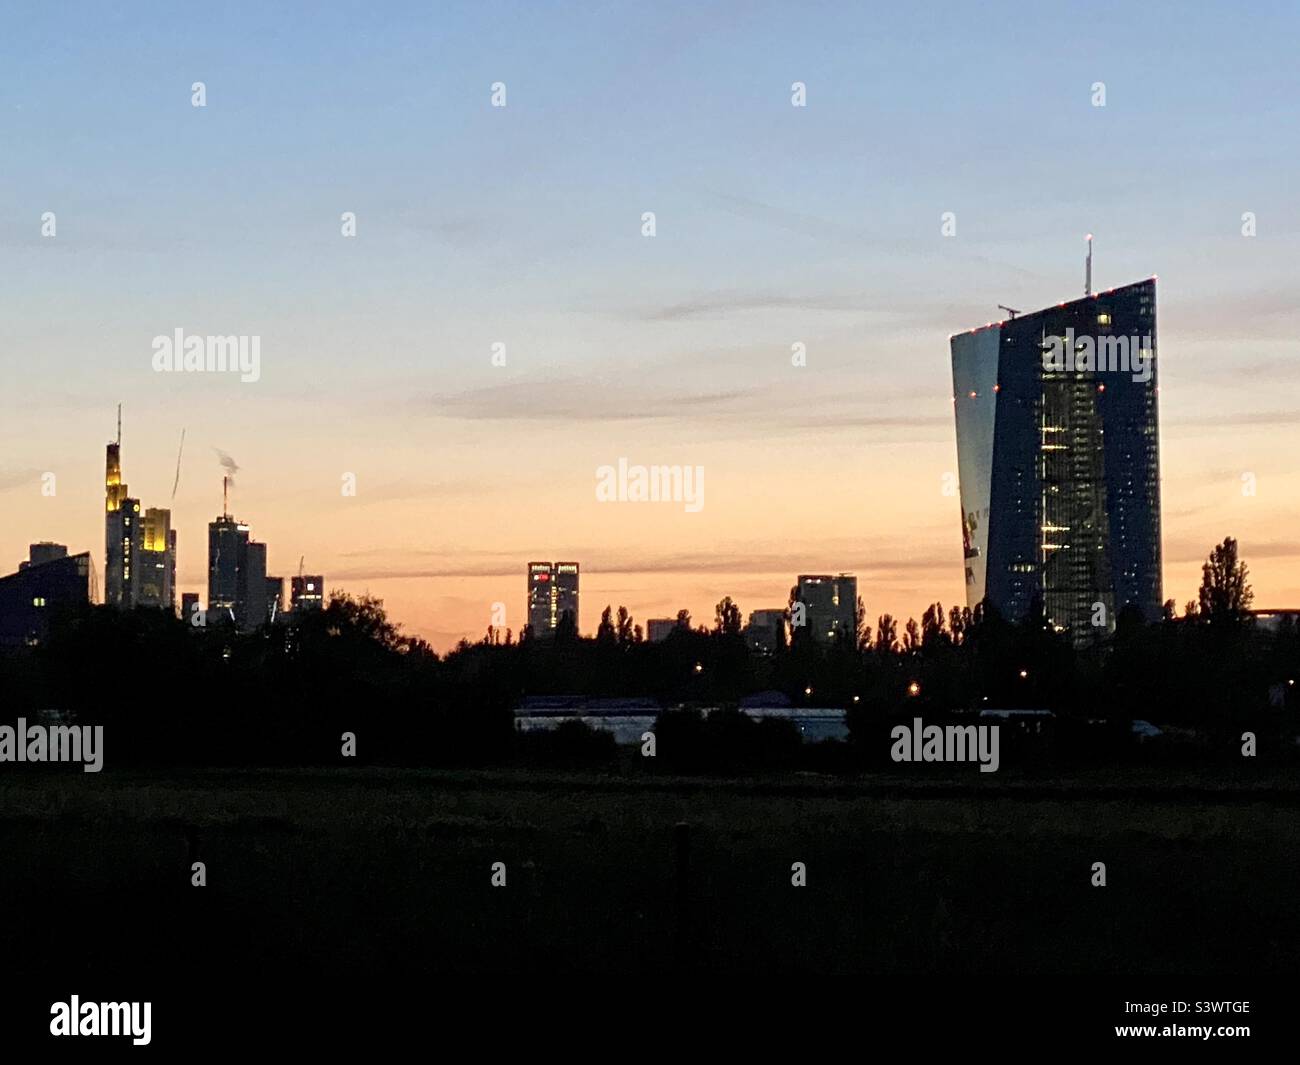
{"x":1103,"y":319}
{"x":38,"y":601}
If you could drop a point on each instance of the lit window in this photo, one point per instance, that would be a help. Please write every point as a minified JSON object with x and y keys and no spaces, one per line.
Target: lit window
{"x":38,"y":601}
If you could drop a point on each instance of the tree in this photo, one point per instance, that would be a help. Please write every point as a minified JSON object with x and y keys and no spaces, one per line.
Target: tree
{"x":726,"y":618}
{"x":605,"y":632}
{"x":1225,"y":595}
{"x":624,"y":627}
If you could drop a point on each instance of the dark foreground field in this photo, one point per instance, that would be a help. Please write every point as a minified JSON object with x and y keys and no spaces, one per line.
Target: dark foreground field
{"x":371,"y":871}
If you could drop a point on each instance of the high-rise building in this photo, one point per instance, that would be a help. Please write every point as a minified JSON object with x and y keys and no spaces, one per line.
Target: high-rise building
{"x":552,"y":593}
{"x":1058,"y":461}
{"x":306,"y":592}
{"x":157,"y":560}
{"x":566,"y":592}
{"x":274,"y":598}
{"x":236,"y":573}
{"x":765,"y":631}
{"x":122,"y":535}
{"x":227,"y":551}
{"x":252,"y":611}
{"x":830,"y":605}
{"x":140,"y":549}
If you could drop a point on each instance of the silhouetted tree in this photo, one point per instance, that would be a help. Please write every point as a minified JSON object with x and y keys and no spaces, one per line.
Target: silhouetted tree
{"x":1225,"y":594}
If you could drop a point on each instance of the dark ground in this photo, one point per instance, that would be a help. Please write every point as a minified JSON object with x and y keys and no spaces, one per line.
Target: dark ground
{"x":371,"y":871}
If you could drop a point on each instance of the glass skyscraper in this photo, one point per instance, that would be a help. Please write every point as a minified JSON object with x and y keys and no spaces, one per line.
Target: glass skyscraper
{"x":1058,"y":461}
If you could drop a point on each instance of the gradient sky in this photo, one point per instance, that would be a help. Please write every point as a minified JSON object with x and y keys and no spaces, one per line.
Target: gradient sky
{"x":522,"y":225}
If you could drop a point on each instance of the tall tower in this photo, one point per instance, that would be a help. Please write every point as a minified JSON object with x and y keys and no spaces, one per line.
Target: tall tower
{"x":227,"y":561}
{"x":121,"y":530}
{"x":157,"y":565}
{"x":552,"y":593}
{"x":1058,"y":459}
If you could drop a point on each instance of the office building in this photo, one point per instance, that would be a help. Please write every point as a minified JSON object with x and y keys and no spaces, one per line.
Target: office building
{"x":30,"y":598}
{"x":1058,"y":461}
{"x":274,"y":598}
{"x":236,"y":572}
{"x":552,"y":593}
{"x":156,"y":585}
{"x":306,"y":593}
{"x":765,"y":631}
{"x":830,"y":605}
{"x":659,"y":628}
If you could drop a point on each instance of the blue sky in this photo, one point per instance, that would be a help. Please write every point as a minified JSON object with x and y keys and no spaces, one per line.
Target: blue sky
{"x":522,"y":225}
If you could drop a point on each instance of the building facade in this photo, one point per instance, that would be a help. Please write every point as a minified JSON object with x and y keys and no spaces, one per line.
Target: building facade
{"x":1058,"y":461}
{"x":38,"y":591}
{"x":552,"y":593}
{"x":830,"y":605}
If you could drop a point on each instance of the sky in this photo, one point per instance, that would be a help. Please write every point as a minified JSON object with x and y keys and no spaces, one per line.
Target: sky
{"x":522,"y":226}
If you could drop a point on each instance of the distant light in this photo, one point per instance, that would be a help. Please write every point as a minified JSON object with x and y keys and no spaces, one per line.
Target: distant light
{"x":1101,"y":388}
{"x":973,"y":395}
{"x":1023,"y":674}
{"x":858,"y":698}
{"x":1089,"y":237}
{"x":807,"y":691}
{"x":997,"y":388}
{"x":914,"y":689}
{"x":699,"y":668}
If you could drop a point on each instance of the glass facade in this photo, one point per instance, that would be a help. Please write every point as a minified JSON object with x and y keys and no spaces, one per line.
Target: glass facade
{"x":1058,"y":460}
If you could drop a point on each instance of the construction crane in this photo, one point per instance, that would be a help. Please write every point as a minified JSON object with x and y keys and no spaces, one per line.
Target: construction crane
{"x":1010,"y":310}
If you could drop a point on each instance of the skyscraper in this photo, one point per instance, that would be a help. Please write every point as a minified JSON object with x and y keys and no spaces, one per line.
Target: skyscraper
{"x":830,"y":605}
{"x":157,"y":560}
{"x":1058,"y":461}
{"x":122,"y":534}
{"x":227,"y":551}
{"x":236,"y":573}
{"x":552,"y":593}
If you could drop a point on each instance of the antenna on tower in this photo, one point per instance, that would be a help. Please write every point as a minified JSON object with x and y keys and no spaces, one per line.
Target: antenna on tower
{"x":1010,"y":310}
{"x":1087,"y":276}
{"x":225,"y":497}
{"x":119,"y":425}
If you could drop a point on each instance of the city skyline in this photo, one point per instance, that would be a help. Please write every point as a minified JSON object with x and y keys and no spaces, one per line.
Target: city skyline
{"x":819,"y":226}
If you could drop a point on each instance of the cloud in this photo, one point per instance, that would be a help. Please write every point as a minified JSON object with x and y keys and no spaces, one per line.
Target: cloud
{"x":746,"y":559}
